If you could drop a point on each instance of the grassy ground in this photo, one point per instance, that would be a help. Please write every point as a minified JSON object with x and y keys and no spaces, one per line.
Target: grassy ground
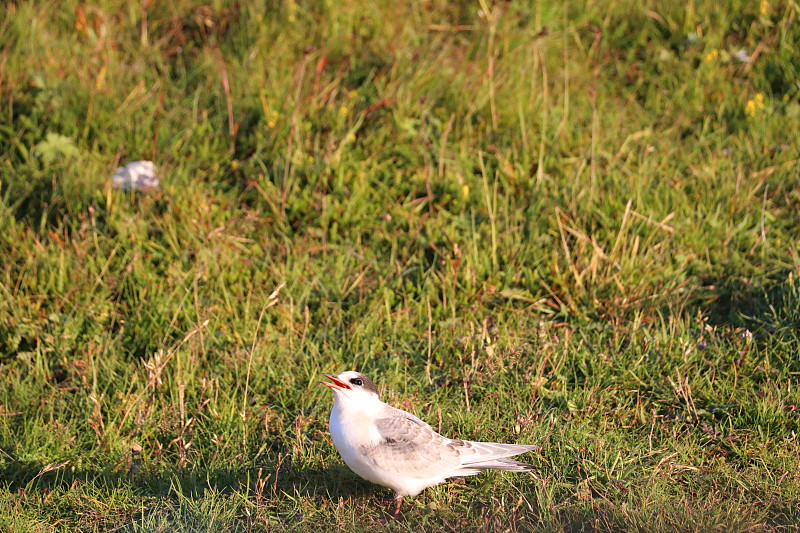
{"x":570,"y":226}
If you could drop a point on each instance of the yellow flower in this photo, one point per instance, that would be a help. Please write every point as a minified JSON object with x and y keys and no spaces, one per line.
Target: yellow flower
{"x":765,"y":8}
{"x":351,"y":138}
{"x":712,"y":56}
{"x":273,"y":119}
{"x":465,"y":191}
{"x":754,"y":105}
{"x":343,"y":112}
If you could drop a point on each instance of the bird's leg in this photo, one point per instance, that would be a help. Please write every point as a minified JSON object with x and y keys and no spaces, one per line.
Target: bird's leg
{"x":392,"y":515}
{"x":398,"y":500}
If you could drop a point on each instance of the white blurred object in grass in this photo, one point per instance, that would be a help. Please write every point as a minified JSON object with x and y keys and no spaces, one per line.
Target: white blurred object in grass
{"x":136,"y":176}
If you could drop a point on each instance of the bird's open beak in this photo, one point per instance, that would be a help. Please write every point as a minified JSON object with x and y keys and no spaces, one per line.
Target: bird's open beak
{"x":337,"y":384}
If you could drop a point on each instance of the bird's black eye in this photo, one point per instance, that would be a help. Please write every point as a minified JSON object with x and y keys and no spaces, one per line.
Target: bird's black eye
{"x":357,"y":382}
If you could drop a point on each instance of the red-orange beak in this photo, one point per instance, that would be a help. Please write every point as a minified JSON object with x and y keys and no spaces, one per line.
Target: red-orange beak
{"x":337,"y":384}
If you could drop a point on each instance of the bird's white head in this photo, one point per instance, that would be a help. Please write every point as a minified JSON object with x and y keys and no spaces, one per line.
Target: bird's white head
{"x":352,"y":388}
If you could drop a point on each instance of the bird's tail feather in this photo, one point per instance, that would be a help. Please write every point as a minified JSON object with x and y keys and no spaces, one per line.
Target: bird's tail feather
{"x":490,"y":451}
{"x":506,"y":465}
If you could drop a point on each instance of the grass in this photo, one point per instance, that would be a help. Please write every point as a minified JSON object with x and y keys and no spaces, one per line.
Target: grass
{"x":574,"y":225}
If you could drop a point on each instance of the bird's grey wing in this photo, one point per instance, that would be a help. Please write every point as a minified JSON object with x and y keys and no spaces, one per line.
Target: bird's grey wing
{"x":483,"y":455}
{"x":410,"y":446}
{"x":393,"y":411}
{"x":476,"y":452}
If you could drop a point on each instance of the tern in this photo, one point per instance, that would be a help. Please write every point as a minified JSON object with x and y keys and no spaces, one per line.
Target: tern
{"x":393,"y":448}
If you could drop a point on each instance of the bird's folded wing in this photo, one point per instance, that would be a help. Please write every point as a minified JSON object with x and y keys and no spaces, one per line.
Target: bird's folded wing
{"x":477,"y":452}
{"x":410,"y":446}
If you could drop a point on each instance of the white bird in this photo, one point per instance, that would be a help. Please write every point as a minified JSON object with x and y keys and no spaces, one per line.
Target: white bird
{"x":393,"y":448}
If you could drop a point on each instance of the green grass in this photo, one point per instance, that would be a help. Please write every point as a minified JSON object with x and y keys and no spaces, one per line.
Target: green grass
{"x":575,"y":227}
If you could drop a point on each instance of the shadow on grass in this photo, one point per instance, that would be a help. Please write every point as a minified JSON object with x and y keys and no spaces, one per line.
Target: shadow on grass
{"x":290,"y":478}
{"x":771,"y":305}
{"x":253,"y":497}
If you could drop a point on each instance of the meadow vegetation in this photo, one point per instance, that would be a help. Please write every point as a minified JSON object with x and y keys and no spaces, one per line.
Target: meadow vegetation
{"x":573,"y":224}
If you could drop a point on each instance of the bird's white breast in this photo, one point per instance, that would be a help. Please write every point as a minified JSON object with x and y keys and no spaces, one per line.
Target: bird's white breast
{"x":353,"y":431}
